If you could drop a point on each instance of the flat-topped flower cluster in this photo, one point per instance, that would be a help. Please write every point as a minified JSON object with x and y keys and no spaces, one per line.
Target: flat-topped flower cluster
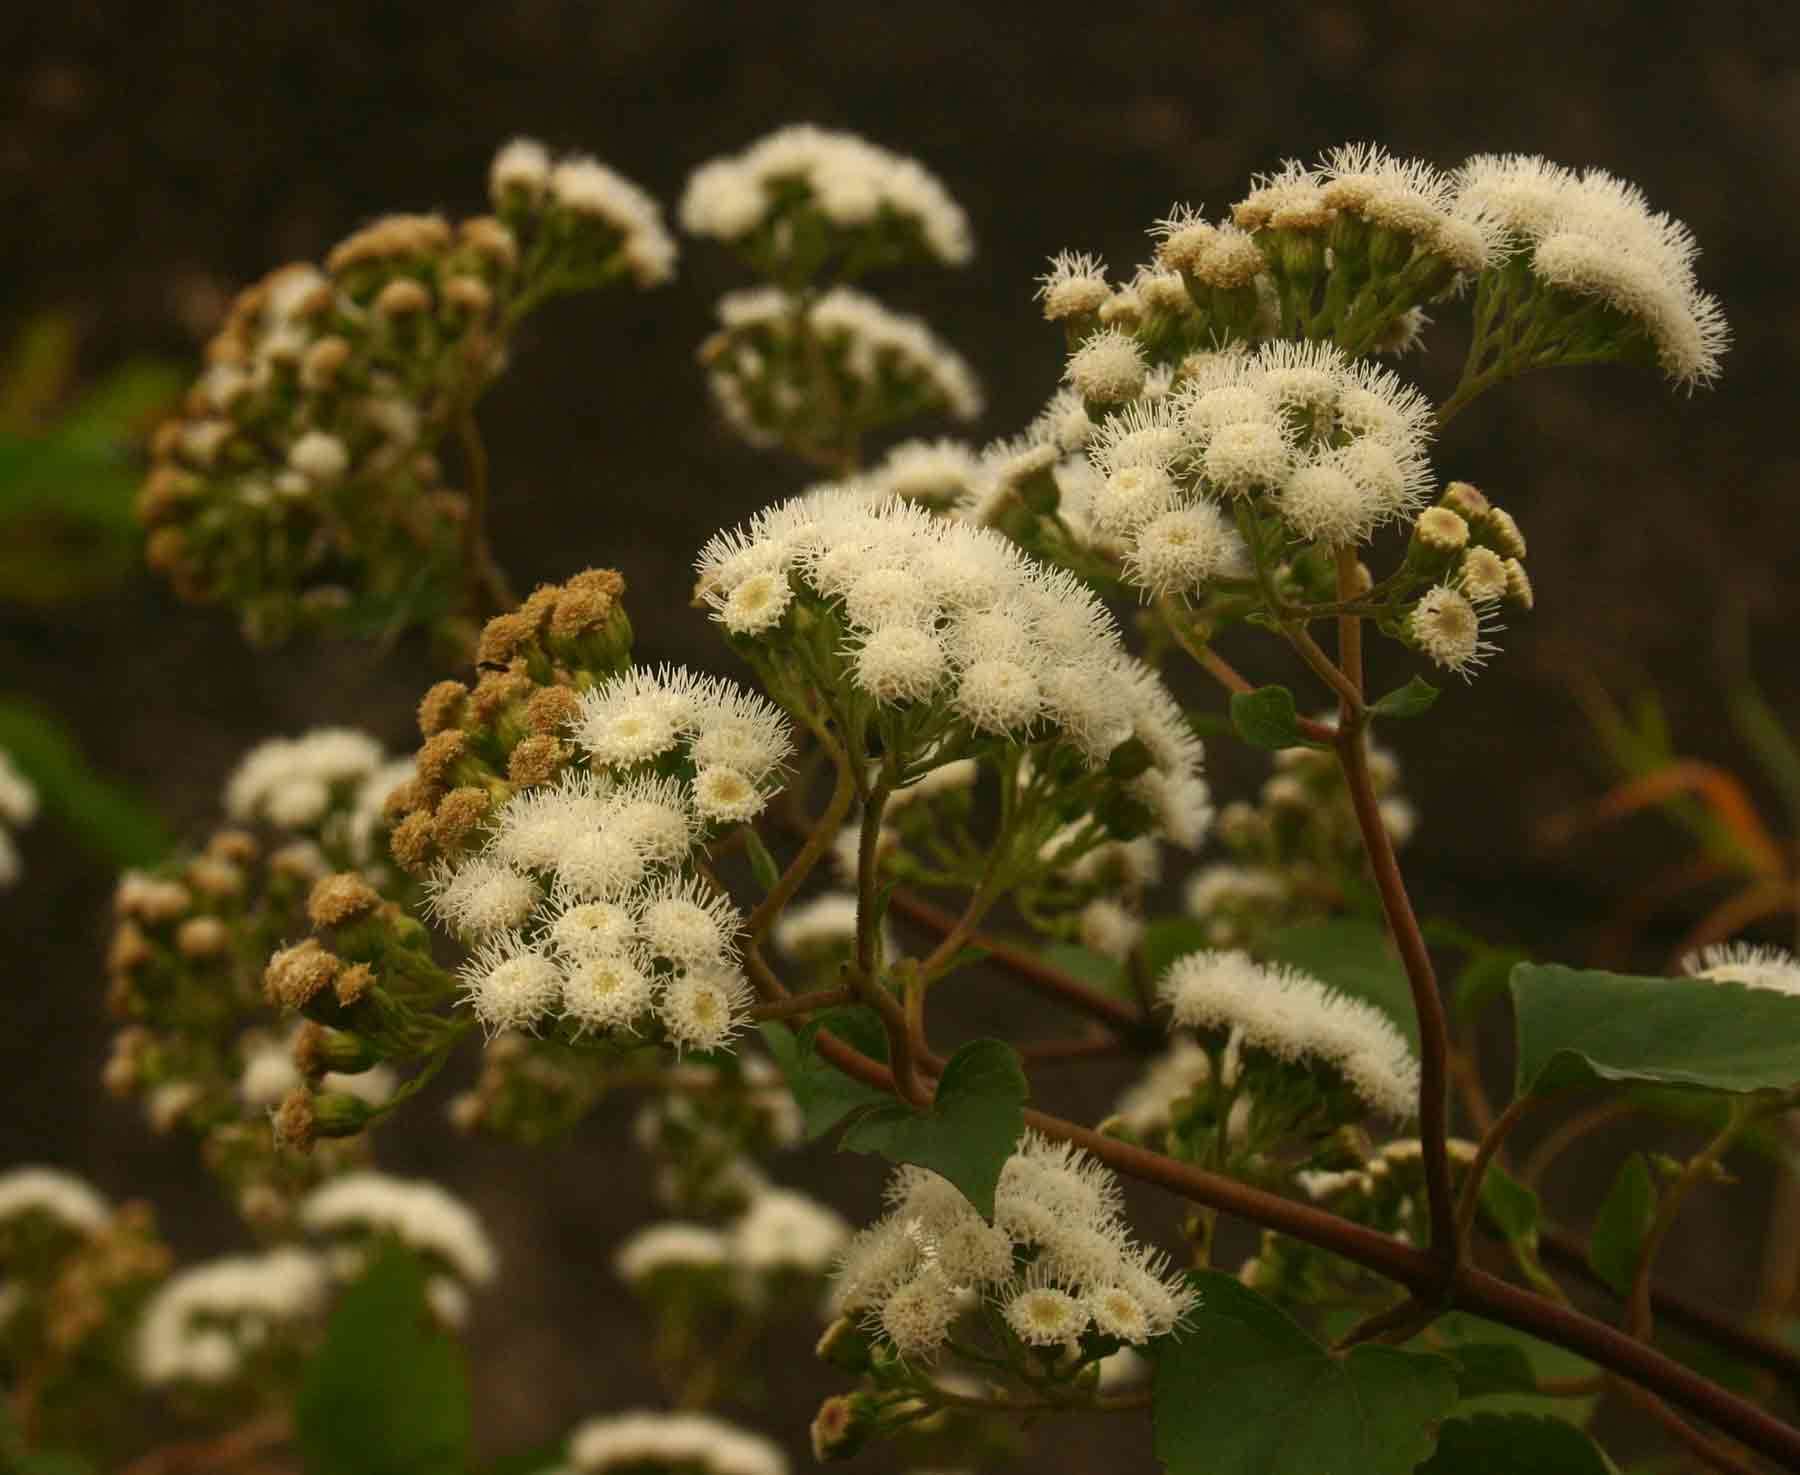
{"x":1057,"y":1261}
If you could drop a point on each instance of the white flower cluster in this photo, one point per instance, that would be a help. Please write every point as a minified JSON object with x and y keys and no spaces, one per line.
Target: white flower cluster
{"x":881,"y":351}
{"x":685,"y":1441}
{"x":850,"y":181}
{"x":579,"y":901}
{"x":1057,"y":1260}
{"x":937,"y":611}
{"x":1753,"y":966}
{"x":56,"y":1195}
{"x":18,"y":807}
{"x":1338,"y":445}
{"x":588,"y":190}
{"x":779,"y":1232}
{"x":418,"y":1213}
{"x":291,"y":782}
{"x":1295,"y":1018}
{"x":1595,"y":235}
{"x":201,"y":1322}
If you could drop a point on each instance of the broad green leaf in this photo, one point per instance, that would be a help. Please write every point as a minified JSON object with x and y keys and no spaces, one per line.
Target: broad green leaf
{"x":762,"y":864}
{"x":1353,"y":957}
{"x":824,"y":1094}
{"x":1624,"y":1220}
{"x":388,"y":1393}
{"x":1480,"y":1348}
{"x":1244,"y":1391}
{"x":1406,"y":701}
{"x":1102,"y":973}
{"x":969,"y":1130}
{"x":1170,"y":938}
{"x":1265,"y":718}
{"x":1509,"y":1204}
{"x":1579,"y":1027}
{"x":105,"y":817}
{"x":1515,"y":1444}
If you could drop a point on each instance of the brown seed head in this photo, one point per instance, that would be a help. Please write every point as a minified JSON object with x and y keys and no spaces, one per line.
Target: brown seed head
{"x":340,"y":898}
{"x":488,"y":238}
{"x":536,"y":760}
{"x":236,"y":847}
{"x":441,"y":707}
{"x":202,"y":937}
{"x":129,"y":950}
{"x":296,"y":974}
{"x":295,"y":1120}
{"x":503,"y":637}
{"x":552,"y":709}
{"x":498,"y":690}
{"x":354,"y":983}
{"x":402,"y":297}
{"x":319,"y":368}
{"x":213,"y":877}
{"x":459,"y":812}
{"x":439,"y":755}
{"x":471,"y":294}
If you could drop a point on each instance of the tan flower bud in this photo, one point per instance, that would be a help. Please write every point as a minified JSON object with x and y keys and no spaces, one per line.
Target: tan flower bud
{"x":340,"y":898}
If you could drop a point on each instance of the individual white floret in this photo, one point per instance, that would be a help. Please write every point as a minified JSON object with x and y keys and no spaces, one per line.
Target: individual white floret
{"x":655,"y":815}
{"x":294,"y":777}
{"x":481,"y":896}
{"x":1304,"y":376}
{"x":1121,"y":505}
{"x":998,"y":695}
{"x":1451,"y":629}
{"x":1409,"y":196}
{"x":268,"y":1075}
{"x":876,"y":1262}
{"x":784,"y":1230}
{"x":522,"y":165}
{"x":606,"y":992}
{"x":182,"y":1336}
{"x":756,"y":604}
{"x":1043,"y":1315}
{"x":1482,"y":575}
{"x":637,"y":715}
{"x":935,"y":473}
{"x":685,"y":921}
{"x":1063,"y":423}
{"x":1323,"y":503}
{"x":871,"y":336}
{"x":742,"y":730}
{"x":918,"y":1316}
{"x":1075,"y":284}
{"x":725,"y":795}
{"x":602,"y":865}
{"x":1294,"y":1017}
{"x":671,"y":1246}
{"x":1746,"y":963}
{"x":900,"y":663}
{"x":1108,"y":368}
{"x":1395,"y":485}
{"x":1110,"y":928}
{"x":705,"y":1006}
{"x":510,"y":984}
{"x":417,"y":1212}
{"x":534,"y":827}
{"x":1183,"y":549}
{"x":1146,"y":433}
{"x":1376,"y":403}
{"x":588,"y":929}
{"x":55,"y":1194}
{"x":1246,"y":455}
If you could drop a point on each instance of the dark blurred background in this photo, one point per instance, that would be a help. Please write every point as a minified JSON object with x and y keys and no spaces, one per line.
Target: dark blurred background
{"x":154,"y":157}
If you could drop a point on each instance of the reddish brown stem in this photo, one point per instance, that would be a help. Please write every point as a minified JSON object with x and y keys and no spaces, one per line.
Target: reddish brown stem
{"x":828,"y":998}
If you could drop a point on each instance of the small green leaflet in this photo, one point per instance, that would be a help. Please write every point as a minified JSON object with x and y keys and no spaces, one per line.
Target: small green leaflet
{"x":824,"y":1094}
{"x":1510,"y":1206}
{"x":1498,"y":1369}
{"x":969,"y":1130}
{"x":1265,"y":718}
{"x":1244,"y":1391}
{"x":762,"y":864}
{"x":1406,"y":701}
{"x":1624,"y":1221}
{"x":1354,"y":958}
{"x":1581,"y":1027}
{"x":1515,"y":1444}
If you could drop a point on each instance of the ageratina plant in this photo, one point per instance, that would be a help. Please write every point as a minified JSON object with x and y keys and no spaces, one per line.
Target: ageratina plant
{"x":953,"y":761}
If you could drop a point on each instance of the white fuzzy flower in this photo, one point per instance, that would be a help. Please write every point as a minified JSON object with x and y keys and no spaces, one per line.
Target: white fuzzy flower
{"x":320,"y":457}
{"x":586,"y":187}
{"x":1294,"y":1017}
{"x":1755,"y":967}
{"x":998,"y":696}
{"x":783,"y":1230}
{"x":1148,"y":1106}
{"x":1045,"y":1316}
{"x":703,"y":1007}
{"x":1074,"y":285}
{"x":918,"y":1316}
{"x":604,"y":992}
{"x":1179,"y":551}
{"x":741,"y":730}
{"x":672,"y":1246}
{"x":294,"y":777}
{"x":1451,"y":629}
{"x":634,"y":716}
{"x":56,"y":1195}
{"x":724,"y":795}
{"x":521,"y":165}
{"x":876,"y":1262}
{"x":1109,"y":928}
{"x":481,"y":896}
{"x":685,"y":921}
{"x":181,"y":1336}
{"x":900,"y":663}
{"x":664,"y":1441}
{"x":1108,"y":368}
{"x":815,"y":926}
{"x":535,"y":826}
{"x":417,"y":1212}
{"x":510,"y":984}
{"x":757,"y":604}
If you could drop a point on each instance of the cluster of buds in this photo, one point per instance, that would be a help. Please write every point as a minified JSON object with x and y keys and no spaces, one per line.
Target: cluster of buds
{"x":1295,"y":853}
{"x":302,"y":483}
{"x":806,"y":362}
{"x":199,"y":1040}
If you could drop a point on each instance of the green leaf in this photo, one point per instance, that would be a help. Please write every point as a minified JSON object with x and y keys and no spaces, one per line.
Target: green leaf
{"x":1481,"y":1351}
{"x":1406,"y":701}
{"x":388,"y":1393}
{"x":1265,"y":718}
{"x":1577,"y":1027}
{"x":544,"y":1460}
{"x":762,"y":865}
{"x":1354,"y":958}
{"x":824,"y":1094}
{"x":1509,"y":1204}
{"x":1170,"y":938}
{"x":1244,"y":1391}
{"x":1515,"y":1444}
{"x":1624,"y":1221}
{"x":108,"y":820}
{"x":969,"y":1130}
